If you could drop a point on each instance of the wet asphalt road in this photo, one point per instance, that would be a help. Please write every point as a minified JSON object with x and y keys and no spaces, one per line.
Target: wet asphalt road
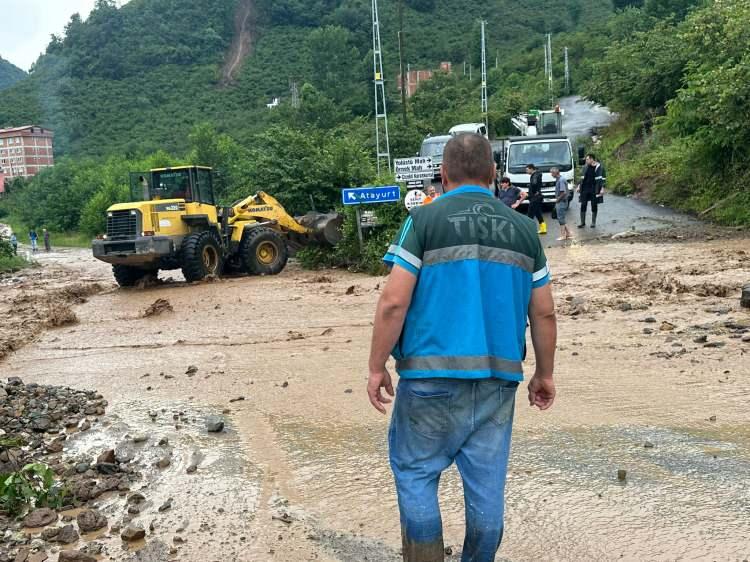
{"x":582,"y":117}
{"x":617,"y":216}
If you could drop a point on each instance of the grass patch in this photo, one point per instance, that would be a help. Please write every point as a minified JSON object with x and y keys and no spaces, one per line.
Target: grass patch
{"x":69,"y":240}
{"x":645,"y":160}
{"x":12,"y":264}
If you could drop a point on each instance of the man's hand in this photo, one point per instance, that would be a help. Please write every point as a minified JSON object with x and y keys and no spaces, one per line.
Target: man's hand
{"x":541,"y":392}
{"x":379,"y":378}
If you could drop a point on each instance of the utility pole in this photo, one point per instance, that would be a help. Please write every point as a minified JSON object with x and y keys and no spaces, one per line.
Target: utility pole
{"x":484,"y":78}
{"x":548,"y":69}
{"x":567,"y":73}
{"x":382,"y":142}
{"x":295,"y":93}
{"x":401,"y":56}
{"x":550,"y":81}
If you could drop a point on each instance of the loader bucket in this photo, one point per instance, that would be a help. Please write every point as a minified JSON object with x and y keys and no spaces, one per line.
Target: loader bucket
{"x":325,"y":227}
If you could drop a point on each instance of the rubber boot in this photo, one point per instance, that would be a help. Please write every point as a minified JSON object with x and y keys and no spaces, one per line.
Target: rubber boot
{"x":542,"y":228}
{"x":583,"y":220}
{"x":593,"y":220}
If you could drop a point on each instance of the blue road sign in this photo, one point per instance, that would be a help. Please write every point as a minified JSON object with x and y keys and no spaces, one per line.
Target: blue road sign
{"x":363,"y":195}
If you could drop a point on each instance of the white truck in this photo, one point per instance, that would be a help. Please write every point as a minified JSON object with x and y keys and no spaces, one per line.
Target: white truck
{"x":513,"y":154}
{"x":471,"y":128}
{"x":539,"y":122}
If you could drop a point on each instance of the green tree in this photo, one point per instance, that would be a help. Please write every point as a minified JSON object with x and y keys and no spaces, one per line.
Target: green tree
{"x":334,"y":61}
{"x":640,"y":73}
{"x":663,"y":9}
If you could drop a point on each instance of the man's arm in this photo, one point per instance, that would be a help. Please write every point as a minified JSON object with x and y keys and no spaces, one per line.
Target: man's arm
{"x":389,"y":321}
{"x":600,"y":179}
{"x":544,"y":338}
{"x":521,"y":199}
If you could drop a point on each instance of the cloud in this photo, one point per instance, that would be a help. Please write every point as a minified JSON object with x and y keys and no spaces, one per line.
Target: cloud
{"x":28,"y":24}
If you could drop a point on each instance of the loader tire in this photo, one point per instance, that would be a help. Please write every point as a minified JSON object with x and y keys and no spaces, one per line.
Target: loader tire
{"x":128,"y":276}
{"x":201,"y":256}
{"x":263,"y":252}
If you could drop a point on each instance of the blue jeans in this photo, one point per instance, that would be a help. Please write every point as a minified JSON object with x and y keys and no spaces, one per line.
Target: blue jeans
{"x":436,"y":422}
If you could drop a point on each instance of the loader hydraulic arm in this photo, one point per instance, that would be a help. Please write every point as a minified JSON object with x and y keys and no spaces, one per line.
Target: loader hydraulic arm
{"x":262,"y":206}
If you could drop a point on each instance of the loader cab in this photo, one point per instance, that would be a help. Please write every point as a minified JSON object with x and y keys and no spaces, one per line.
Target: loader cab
{"x":192,"y":184}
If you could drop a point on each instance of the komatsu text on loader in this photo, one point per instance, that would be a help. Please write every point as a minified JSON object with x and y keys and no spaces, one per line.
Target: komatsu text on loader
{"x":175,"y":224}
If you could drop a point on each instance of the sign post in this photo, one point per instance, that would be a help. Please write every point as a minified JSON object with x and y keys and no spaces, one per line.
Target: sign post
{"x":412,"y":169}
{"x":415,"y":198}
{"x":368,"y":196}
{"x":359,"y":230}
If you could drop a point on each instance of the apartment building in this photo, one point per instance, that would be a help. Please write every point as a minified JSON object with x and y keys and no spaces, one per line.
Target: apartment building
{"x":25,"y":151}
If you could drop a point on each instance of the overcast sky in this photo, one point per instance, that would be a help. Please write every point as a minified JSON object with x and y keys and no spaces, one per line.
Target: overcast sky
{"x":26,"y":26}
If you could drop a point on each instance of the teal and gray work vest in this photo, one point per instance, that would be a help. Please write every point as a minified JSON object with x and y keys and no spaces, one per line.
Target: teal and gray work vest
{"x":476,"y":263}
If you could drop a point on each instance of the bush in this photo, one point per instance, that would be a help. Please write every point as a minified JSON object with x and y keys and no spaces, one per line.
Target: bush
{"x":9,"y":261}
{"x":6,"y":250}
{"x":31,"y":487}
{"x":347,"y":253}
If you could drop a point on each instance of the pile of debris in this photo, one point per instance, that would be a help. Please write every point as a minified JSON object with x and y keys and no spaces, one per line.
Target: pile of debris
{"x":36,"y":419}
{"x":35,"y":423}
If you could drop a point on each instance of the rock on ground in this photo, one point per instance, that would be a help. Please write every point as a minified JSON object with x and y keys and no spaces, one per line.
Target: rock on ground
{"x":158,"y":307}
{"x":67,"y":535}
{"x":133,"y":533}
{"x":40,"y":518}
{"x":214,"y":424}
{"x":91,"y":520}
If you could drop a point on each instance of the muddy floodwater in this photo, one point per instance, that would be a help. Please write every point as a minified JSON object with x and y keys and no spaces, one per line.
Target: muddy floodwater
{"x":653,"y":375}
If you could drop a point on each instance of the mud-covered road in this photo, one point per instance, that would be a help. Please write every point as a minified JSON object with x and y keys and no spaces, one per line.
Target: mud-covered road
{"x":653,"y":373}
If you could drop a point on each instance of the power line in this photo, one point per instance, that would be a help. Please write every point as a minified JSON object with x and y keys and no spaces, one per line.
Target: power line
{"x":382,"y":142}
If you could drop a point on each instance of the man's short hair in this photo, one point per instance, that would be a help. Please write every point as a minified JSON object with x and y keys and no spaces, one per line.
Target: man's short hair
{"x":530,"y":167}
{"x":505,"y":180}
{"x":468,"y":157}
{"x":554,"y":170}
{"x":592,"y":156}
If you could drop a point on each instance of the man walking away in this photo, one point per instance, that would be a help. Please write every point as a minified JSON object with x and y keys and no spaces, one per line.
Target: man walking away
{"x":33,"y":238}
{"x":536,"y":198}
{"x":561,"y":203}
{"x":14,"y":243}
{"x":509,"y":194}
{"x":592,"y":187}
{"x":459,"y":342}
{"x":47,"y":247}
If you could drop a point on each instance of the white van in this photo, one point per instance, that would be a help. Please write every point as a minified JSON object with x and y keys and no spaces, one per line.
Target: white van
{"x":476,"y":128}
{"x":433,"y":147}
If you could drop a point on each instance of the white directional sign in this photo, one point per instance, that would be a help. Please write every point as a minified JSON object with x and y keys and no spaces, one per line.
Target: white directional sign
{"x":414,"y":198}
{"x":409,"y":169}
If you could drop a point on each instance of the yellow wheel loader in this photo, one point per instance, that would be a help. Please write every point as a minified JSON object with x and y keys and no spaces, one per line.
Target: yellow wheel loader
{"x":175,"y":224}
